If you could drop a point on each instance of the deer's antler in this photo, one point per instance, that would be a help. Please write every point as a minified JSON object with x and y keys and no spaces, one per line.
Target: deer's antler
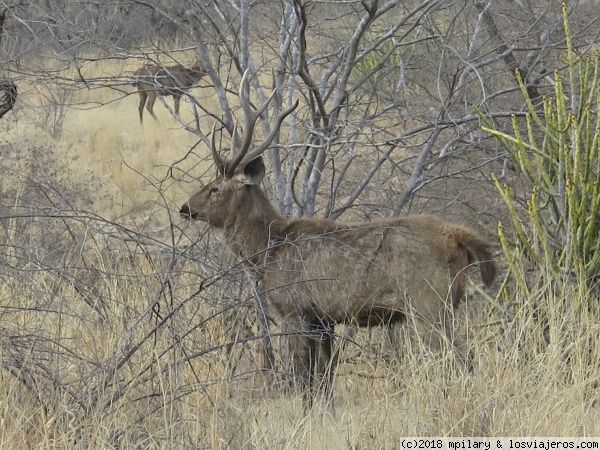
{"x":219,"y":162}
{"x":250,"y":117}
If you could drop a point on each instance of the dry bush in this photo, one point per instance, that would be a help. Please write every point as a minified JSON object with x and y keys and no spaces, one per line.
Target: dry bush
{"x":107,"y":329}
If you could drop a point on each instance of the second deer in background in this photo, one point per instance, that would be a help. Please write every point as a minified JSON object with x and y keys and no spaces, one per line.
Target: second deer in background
{"x":152,"y":80}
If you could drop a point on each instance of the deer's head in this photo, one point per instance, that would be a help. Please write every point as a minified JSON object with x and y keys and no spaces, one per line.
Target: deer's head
{"x":228,"y":197}
{"x":234,"y":194}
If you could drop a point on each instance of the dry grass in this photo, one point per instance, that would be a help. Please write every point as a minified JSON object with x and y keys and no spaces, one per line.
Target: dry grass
{"x":109,"y":340}
{"x":97,"y":130}
{"x":206,"y":404}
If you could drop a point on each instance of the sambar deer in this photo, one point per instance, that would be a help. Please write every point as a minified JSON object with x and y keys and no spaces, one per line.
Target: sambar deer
{"x":318,"y":273}
{"x":152,"y":80}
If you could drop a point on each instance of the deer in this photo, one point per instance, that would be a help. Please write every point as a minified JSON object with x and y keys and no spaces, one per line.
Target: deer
{"x":152,"y":80}
{"x":319,"y":273}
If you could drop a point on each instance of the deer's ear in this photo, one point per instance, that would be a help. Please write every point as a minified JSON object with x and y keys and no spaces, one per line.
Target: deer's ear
{"x":253,"y":172}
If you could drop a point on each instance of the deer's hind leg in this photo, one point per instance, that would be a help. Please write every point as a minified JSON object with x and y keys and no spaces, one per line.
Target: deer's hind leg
{"x":176,"y":101}
{"x":150,"y":104}
{"x":143,"y":95}
{"x":436,"y":332}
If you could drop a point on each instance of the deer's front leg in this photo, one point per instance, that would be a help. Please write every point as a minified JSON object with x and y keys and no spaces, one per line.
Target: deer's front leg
{"x":304,"y":356}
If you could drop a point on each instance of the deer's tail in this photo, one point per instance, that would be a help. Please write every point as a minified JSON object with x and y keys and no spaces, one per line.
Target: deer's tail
{"x":477,"y":250}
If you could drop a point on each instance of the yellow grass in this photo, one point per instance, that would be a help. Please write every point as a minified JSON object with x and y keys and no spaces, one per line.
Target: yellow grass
{"x":101,"y":132}
{"x":60,"y":386}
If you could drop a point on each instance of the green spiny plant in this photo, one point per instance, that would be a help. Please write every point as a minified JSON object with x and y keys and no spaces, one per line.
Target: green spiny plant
{"x":556,"y":150}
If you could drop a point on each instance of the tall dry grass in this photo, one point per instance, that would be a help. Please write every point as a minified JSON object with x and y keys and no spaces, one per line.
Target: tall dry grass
{"x":116,"y":332}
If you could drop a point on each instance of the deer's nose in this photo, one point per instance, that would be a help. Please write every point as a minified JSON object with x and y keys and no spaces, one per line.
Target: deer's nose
{"x":185,"y":212}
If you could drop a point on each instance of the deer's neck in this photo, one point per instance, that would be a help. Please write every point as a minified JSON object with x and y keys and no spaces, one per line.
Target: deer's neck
{"x":249,"y":227}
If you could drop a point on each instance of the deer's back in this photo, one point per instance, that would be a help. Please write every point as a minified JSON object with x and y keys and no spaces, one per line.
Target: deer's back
{"x":364,"y":272}
{"x":166,"y":80}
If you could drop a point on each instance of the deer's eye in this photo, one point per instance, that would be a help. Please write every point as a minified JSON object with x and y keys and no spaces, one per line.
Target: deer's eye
{"x":213,"y":191}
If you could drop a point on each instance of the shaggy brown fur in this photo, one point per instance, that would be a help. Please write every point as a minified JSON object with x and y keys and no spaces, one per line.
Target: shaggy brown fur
{"x":152,"y":80}
{"x":322,"y":272}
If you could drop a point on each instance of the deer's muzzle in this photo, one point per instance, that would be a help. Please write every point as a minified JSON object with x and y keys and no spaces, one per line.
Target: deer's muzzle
{"x":186,"y":213}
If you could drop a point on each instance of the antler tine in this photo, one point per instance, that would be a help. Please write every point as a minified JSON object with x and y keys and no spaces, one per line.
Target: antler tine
{"x":248,"y":125}
{"x":250,"y":118}
{"x":274,"y":130}
{"x":215,"y":154}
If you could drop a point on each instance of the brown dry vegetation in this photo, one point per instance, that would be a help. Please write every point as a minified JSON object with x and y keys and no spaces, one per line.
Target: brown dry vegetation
{"x":114,"y":332}
{"x":94,"y":131}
